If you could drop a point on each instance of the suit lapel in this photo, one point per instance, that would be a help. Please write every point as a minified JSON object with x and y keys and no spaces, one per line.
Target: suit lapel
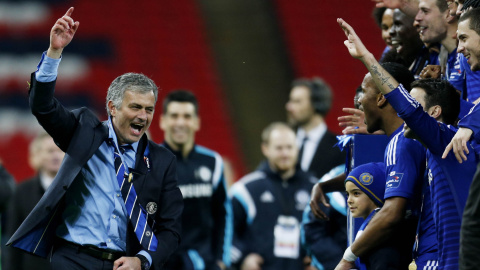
{"x":140,"y":171}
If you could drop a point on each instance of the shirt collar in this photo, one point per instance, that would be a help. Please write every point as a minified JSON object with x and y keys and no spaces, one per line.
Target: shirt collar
{"x":112,"y":135}
{"x":314,"y":135}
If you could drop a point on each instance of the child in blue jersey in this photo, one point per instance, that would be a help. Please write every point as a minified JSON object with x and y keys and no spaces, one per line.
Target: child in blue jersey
{"x":427,"y":110}
{"x":365,"y":186}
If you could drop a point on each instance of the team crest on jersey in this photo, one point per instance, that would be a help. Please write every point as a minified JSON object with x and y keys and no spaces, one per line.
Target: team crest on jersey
{"x":204,"y":173}
{"x":302,"y":198}
{"x":366,"y":178}
{"x":394,"y":179}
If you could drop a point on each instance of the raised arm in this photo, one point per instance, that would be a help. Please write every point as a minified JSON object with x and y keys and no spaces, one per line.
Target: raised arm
{"x":61,"y":34}
{"x":384,"y":81}
{"x":409,"y":7}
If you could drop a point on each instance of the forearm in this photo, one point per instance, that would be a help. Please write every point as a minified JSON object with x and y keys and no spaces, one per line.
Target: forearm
{"x":410,"y":8}
{"x":375,"y":234}
{"x":384,"y":81}
{"x":334,"y":184}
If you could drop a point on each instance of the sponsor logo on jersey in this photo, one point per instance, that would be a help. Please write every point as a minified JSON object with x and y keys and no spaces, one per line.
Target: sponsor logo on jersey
{"x":394,"y":179}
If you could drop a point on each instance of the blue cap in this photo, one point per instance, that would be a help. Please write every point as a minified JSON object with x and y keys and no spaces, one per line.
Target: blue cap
{"x":370,"y":178}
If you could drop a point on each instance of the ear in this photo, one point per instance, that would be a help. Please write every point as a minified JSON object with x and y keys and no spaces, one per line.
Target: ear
{"x":265,"y":149}
{"x":381,"y":100}
{"x":435,"y":111}
{"x":111,"y":108}
{"x":161,"y":122}
{"x":199,"y":124}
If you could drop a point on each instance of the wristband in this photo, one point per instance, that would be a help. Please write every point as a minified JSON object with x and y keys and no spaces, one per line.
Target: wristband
{"x":349,"y":256}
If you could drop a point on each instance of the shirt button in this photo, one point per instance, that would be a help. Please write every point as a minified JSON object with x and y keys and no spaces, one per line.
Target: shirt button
{"x":114,"y":216}
{"x":109,"y":240}
{"x":118,"y":195}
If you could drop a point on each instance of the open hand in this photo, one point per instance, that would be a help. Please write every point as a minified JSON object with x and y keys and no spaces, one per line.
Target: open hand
{"x":459,"y":144}
{"x":353,"y":43}
{"x":354,"y":123}
{"x":62,"y":33}
{"x":431,"y":71}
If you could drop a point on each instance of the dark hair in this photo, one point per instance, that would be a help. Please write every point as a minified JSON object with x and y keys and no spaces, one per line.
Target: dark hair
{"x":442,"y":5}
{"x":442,"y":93}
{"x":471,"y":3}
{"x":474,"y":16}
{"x":400,"y":73}
{"x":180,"y":95}
{"x":320,"y":94}
{"x":377,"y":15}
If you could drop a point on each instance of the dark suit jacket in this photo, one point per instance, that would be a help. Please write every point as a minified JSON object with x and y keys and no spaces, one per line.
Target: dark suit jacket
{"x":326,"y":156}
{"x":79,"y":133}
{"x":26,"y":196}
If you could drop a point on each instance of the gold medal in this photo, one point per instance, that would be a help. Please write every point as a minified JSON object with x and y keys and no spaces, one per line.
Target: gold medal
{"x":412,"y":266}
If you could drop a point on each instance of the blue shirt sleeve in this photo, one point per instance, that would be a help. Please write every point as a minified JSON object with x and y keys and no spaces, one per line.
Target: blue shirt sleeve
{"x":146,"y":255}
{"x":471,"y":121}
{"x":47,"y":69}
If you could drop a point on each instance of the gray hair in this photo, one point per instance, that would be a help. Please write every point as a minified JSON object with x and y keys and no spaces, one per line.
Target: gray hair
{"x":134,"y":82}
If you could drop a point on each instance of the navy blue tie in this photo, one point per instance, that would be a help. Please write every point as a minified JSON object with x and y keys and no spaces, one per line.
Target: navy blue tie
{"x":139,"y":218}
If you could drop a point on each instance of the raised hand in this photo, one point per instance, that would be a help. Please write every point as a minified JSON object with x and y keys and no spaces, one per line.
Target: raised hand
{"x":353,"y":43}
{"x":61,"y":34}
{"x":431,"y":71}
{"x":389,"y":3}
{"x":354,"y":123}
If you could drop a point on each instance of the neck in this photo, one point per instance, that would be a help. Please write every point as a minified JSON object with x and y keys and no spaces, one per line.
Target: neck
{"x":391,"y":125}
{"x":316,"y":120}
{"x":184,"y":149}
{"x":285,"y":175}
{"x":450,"y":43}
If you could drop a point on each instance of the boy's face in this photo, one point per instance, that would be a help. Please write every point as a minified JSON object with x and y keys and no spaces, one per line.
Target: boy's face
{"x":359,"y":203}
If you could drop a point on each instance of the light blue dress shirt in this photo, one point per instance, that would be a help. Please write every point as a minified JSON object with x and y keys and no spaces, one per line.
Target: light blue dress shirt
{"x":95,"y":212}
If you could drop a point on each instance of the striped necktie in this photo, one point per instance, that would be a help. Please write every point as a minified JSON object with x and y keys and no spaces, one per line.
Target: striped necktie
{"x":139,"y":218}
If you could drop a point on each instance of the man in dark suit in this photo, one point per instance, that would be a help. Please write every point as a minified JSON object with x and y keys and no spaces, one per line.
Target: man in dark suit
{"x":45,"y":158}
{"x":114,"y":203}
{"x":310,"y":100}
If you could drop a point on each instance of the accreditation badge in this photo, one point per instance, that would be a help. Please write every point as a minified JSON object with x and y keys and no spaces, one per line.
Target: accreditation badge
{"x":287,"y":237}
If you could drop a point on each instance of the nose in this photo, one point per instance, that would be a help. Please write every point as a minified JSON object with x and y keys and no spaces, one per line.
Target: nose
{"x":349,"y":199}
{"x":392,"y":32}
{"x":461,"y":47}
{"x":142,"y":115}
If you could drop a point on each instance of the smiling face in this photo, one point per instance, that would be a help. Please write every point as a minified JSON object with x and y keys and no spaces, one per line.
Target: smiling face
{"x":368,"y":104}
{"x":405,"y":38}
{"x":469,"y":44}
{"x":281,"y":149}
{"x":179,"y":123}
{"x":359,"y":203}
{"x":431,"y":22}
{"x":387,"y":23}
{"x":133,"y":117}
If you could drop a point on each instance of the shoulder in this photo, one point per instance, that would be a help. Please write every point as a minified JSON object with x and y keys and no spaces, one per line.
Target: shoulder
{"x":157,"y":150}
{"x":208,"y":154}
{"x":248,"y":182}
